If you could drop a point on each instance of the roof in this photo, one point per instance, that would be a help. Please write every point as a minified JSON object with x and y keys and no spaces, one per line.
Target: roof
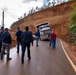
{"x":42,"y":24}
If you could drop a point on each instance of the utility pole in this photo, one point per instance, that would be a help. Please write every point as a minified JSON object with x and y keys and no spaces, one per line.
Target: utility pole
{"x":3,"y":18}
{"x":53,"y":3}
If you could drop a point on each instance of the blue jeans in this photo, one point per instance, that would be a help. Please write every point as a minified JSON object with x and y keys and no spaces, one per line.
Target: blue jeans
{"x":7,"y":47}
{"x":37,"y":39}
{"x":53,"y":42}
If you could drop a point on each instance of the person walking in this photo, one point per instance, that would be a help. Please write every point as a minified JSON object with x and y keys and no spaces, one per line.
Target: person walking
{"x":26,"y":40}
{"x":37,"y":34}
{"x":1,"y":32}
{"x":49,"y":37}
{"x":18,"y":35}
{"x":6,"y":41}
{"x":53,"y":39}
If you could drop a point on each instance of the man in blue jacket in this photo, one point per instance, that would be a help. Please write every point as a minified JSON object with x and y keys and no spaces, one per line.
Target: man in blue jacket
{"x":6,"y":41}
{"x":18,"y":35}
{"x":37,"y":34}
{"x":26,"y":39}
{"x":1,"y":32}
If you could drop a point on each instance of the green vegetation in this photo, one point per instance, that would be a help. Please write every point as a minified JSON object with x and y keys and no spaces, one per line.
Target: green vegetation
{"x":72,"y":27}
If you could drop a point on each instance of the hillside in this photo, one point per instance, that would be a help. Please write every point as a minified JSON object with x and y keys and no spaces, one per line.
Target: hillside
{"x":57,"y":17}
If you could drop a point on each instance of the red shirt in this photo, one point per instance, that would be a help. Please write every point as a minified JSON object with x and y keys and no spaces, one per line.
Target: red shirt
{"x":53,"y":36}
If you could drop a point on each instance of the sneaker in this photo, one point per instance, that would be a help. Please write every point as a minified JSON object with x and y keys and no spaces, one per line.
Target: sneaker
{"x":5,"y":53}
{"x":17,"y":51}
{"x":1,"y":58}
{"x":9,"y":59}
{"x":49,"y":44}
{"x":37,"y":46}
{"x":22,"y":61}
{"x":29,"y":58}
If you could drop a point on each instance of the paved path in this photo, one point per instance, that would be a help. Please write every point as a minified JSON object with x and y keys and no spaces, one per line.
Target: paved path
{"x":44,"y":61}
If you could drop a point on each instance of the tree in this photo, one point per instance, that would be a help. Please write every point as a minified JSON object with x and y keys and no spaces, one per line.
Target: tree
{"x":49,"y":4}
{"x":24,"y":14}
{"x":53,"y":2}
{"x":58,"y":1}
{"x":72,"y":27}
{"x":73,"y":15}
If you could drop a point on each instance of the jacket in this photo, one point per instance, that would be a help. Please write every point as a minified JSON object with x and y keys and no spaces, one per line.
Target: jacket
{"x":53,"y":36}
{"x":6,"y":38}
{"x":18,"y":34}
{"x":37,"y":34}
{"x":26,"y":37}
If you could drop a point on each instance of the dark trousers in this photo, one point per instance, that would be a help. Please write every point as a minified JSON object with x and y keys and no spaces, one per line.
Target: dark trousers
{"x":18,"y":45}
{"x":0,"y":46}
{"x":24,"y":49}
{"x":50,"y":42}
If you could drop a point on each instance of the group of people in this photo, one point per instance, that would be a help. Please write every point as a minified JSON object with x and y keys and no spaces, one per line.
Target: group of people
{"x":51,"y":36}
{"x":25,"y":39}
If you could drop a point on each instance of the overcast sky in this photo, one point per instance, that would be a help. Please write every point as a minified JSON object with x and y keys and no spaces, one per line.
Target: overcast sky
{"x":13,"y":9}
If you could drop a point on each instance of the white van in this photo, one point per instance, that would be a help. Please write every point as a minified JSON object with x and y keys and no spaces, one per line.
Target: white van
{"x":44,"y":29}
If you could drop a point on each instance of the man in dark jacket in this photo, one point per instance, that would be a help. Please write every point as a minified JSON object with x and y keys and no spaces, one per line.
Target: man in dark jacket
{"x":1,"y":31}
{"x":26,"y":39}
{"x":18,"y":35}
{"x":6,"y":41}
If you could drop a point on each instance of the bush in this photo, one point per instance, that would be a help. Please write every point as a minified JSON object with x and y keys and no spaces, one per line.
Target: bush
{"x":72,"y":27}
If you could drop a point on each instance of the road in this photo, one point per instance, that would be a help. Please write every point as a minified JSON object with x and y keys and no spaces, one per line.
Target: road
{"x":44,"y":61}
